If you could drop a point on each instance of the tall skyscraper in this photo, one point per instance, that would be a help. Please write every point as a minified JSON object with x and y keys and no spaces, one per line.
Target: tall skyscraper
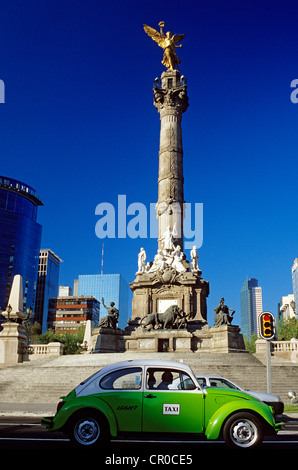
{"x":47,"y":285}
{"x":295,"y":283}
{"x":20,"y":237}
{"x":251,"y":306}
{"x":112,"y":287}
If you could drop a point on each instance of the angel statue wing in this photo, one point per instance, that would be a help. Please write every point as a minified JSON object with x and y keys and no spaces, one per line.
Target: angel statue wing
{"x":178,"y":37}
{"x":155,"y":35}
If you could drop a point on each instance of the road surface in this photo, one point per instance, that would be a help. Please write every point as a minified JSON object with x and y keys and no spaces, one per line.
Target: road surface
{"x":26,"y":433}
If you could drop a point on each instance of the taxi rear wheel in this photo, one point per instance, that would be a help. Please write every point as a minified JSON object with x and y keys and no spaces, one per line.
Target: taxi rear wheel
{"x":88,"y":429}
{"x":243,"y":430}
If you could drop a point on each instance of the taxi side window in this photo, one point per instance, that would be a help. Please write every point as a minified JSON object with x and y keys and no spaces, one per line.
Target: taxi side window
{"x":186,"y":383}
{"x":202,"y":381}
{"x":222,"y":383}
{"x":124,"y":379}
{"x":168,"y":379}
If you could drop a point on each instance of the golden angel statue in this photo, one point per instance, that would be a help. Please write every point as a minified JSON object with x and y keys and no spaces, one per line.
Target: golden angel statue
{"x":168,"y":43}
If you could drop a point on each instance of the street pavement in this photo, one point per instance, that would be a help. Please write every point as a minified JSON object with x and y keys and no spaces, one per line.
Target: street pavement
{"x":20,"y":429}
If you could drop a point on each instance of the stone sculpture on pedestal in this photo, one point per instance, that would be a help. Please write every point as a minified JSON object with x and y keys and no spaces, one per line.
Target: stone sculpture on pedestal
{"x":141,"y":260}
{"x":194,"y":259}
{"x":222,"y":316}
{"x":111,"y":319}
{"x":109,"y":336}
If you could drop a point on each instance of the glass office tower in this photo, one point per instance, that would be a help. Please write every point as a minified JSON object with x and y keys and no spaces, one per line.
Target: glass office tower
{"x":251,"y":306}
{"x":20,"y":237}
{"x":112,"y":287}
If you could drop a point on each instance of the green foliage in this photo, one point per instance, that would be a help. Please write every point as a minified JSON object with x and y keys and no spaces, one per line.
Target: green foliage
{"x":250,"y":343}
{"x":287,"y":329}
{"x":33,"y":330}
{"x":291,"y":408}
{"x":47,"y":337}
{"x":71,"y":341}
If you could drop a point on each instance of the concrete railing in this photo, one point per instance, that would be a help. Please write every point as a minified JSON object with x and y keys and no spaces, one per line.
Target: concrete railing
{"x":34,"y":351}
{"x":284,"y":346}
{"x":284,"y":349}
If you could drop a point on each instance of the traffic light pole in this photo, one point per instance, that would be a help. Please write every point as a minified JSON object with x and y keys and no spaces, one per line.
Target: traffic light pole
{"x":268,"y":365}
{"x":267,"y":331}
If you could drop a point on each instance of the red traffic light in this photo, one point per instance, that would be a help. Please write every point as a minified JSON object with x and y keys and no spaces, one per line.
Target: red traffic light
{"x":267,"y":325}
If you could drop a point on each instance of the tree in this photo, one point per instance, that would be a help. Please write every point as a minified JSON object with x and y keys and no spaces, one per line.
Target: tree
{"x":287,"y":329}
{"x":35,"y":331}
{"x":250,"y":343}
{"x":32,"y":330}
{"x":71,"y":341}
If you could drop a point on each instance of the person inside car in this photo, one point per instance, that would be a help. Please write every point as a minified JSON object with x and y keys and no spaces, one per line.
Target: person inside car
{"x":167,"y":379}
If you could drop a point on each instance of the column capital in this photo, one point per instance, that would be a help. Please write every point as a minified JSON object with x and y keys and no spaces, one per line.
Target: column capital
{"x":171,"y":100}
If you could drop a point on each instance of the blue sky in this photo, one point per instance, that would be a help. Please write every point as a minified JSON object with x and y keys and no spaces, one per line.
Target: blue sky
{"x":79,"y":126}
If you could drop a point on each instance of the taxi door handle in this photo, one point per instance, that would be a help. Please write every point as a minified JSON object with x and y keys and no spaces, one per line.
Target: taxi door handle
{"x":150,"y":396}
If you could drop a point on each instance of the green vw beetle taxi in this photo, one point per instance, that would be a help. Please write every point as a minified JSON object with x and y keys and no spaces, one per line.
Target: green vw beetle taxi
{"x":159,"y":397}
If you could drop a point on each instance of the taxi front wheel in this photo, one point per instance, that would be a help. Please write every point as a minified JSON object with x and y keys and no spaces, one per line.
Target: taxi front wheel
{"x":88,"y":429}
{"x":243,"y":430}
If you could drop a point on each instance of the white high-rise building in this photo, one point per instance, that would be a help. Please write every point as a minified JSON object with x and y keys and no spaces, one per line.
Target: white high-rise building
{"x":251,"y":306}
{"x":65,"y":291}
{"x":257,"y":304}
{"x":295,"y":282}
{"x":286,"y":307}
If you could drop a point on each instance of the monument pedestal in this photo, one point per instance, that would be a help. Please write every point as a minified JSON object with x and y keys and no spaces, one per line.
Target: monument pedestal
{"x":13,"y":338}
{"x":224,"y":339}
{"x":12,"y":342}
{"x":158,"y":341}
{"x":109,"y":340}
{"x":227,"y":338}
{"x":155,"y":292}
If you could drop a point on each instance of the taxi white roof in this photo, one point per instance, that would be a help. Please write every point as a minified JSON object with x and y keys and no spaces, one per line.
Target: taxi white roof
{"x":147,"y":363}
{"x":83,"y":386}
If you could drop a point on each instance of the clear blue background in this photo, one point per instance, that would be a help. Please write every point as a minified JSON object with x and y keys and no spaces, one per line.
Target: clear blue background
{"x":80,"y":127}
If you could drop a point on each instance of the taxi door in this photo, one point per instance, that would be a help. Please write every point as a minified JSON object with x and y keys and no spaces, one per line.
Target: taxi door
{"x":122,"y":391}
{"x":172,"y":405}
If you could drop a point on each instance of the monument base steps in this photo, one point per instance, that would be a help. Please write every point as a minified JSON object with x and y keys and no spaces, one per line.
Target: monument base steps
{"x":46,"y":380}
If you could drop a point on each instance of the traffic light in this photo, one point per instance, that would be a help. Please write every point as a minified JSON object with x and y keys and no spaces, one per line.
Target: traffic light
{"x":267,"y":325}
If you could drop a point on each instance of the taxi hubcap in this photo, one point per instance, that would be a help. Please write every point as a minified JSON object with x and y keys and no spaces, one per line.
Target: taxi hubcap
{"x":87,"y":431}
{"x":244,"y":433}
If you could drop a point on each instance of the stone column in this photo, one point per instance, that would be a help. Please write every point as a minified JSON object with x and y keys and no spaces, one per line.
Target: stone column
{"x":12,"y":337}
{"x":171,"y":101}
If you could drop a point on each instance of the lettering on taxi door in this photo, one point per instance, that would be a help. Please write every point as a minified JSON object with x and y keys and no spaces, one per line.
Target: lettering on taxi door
{"x":170,"y":409}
